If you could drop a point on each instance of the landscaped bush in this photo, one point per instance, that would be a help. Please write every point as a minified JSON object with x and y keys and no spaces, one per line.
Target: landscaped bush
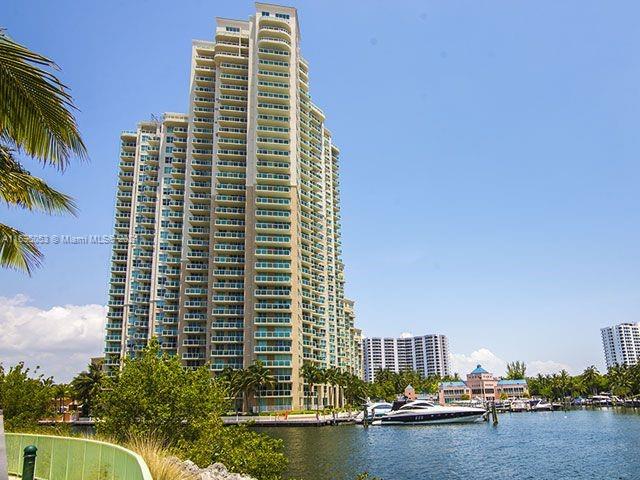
{"x":154,"y":396}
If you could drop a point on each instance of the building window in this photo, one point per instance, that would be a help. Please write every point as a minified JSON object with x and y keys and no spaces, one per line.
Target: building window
{"x":232,"y":29}
{"x":265,"y":14}
{"x":282,"y":15}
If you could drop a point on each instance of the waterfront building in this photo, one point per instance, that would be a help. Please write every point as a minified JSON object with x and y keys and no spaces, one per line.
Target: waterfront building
{"x":227,"y":218}
{"x":427,"y":354}
{"x":481,"y":385}
{"x":621,"y":344}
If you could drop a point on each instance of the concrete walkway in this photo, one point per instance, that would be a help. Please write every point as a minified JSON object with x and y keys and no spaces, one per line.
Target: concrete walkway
{"x":297,"y":420}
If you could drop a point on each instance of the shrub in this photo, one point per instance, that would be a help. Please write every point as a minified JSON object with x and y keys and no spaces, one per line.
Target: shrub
{"x":155,"y":397}
{"x":24,"y":398}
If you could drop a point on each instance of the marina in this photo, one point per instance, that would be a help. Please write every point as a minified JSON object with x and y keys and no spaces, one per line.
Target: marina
{"x":523,"y":446}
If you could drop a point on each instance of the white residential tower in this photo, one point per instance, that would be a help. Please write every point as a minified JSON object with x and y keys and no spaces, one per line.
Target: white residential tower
{"x":621,"y":344}
{"x":427,"y":354}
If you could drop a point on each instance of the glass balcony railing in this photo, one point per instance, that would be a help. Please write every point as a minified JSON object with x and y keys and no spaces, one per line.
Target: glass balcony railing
{"x":64,"y":457}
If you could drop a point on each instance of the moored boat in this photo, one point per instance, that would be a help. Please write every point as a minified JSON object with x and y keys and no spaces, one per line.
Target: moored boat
{"x":421,"y":412}
{"x":600,"y":400}
{"x":541,"y":406}
{"x":519,"y":405}
{"x":374,"y":410}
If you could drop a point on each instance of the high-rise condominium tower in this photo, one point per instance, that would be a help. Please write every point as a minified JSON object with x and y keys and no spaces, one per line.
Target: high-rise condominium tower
{"x":621,"y":344}
{"x":426,"y":354}
{"x":230,"y":218}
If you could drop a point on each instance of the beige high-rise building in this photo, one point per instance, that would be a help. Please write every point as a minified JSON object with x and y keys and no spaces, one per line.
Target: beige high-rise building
{"x":233,"y":215}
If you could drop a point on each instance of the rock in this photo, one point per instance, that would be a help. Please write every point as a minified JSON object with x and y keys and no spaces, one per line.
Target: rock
{"x":216,"y":471}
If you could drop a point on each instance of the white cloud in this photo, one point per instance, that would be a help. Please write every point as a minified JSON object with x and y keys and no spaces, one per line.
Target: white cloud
{"x":463,"y":364}
{"x":546,"y":366}
{"x":61,"y":340}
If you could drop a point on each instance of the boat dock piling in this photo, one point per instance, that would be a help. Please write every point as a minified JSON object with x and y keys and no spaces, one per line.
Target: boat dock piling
{"x":494,"y":412}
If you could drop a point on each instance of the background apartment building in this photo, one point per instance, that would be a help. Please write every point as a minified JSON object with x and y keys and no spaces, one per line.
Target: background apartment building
{"x":233,"y":215}
{"x":621,"y":344}
{"x":427,"y":354}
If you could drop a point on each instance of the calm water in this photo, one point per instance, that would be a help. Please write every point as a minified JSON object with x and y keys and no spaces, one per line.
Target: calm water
{"x":579,"y":444}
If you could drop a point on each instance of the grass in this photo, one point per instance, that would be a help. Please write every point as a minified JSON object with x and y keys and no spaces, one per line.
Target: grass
{"x":159,"y":459}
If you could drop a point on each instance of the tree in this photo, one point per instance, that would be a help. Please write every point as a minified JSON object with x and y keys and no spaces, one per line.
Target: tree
{"x":321,"y":379}
{"x":431,"y":384}
{"x":310,"y":373}
{"x":259,"y":377}
{"x":385,"y":385}
{"x":240,"y":450}
{"x":561,"y":385}
{"x":86,"y":387}
{"x":591,"y":379}
{"x":61,"y":391}
{"x":35,"y":119}
{"x":25,"y":397}
{"x":233,"y":380}
{"x":332,"y":378}
{"x":620,"y":380}
{"x":355,"y":389}
{"x":516,"y":370}
{"x":154,"y":396}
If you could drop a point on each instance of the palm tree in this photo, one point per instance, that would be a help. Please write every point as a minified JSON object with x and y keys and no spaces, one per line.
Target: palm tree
{"x":355,"y":389}
{"x":591,"y":379}
{"x":620,"y":380}
{"x":635,"y":379}
{"x":60,"y":393}
{"x":321,"y":379}
{"x":310,"y":373}
{"x":561,"y":385}
{"x":35,"y":119}
{"x":259,"y":377}
{"x":233,"y":380}
{"x":86,"y":387}
{"x":247,"y":384}
{"x":332,"y":378}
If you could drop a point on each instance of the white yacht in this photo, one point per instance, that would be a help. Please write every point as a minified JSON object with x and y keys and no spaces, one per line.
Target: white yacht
{"x":374,"y":410}
{"x":519,"y":405}
{"x":541,"y":406}
{"x":421,"y":412}
{"x":601,"y":400}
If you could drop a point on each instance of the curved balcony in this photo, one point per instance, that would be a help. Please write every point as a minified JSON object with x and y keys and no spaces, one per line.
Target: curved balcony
{"x":266,"y":40}
{"x":277,"y":27}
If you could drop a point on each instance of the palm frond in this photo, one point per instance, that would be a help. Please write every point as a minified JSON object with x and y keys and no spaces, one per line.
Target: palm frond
{"x":35,"y":107}
{"x":17,"y":251}
{"x":18,"y":187}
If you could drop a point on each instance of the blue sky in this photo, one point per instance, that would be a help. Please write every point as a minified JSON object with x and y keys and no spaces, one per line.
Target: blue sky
{"x":489,"y":156}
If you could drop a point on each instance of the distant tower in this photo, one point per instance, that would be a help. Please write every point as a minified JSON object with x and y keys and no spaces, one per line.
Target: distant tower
{"x":427,"y":354}
{"x":621,"y":344}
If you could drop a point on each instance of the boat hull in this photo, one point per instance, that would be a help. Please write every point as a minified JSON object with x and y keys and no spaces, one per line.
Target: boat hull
{"x":430,"y":418}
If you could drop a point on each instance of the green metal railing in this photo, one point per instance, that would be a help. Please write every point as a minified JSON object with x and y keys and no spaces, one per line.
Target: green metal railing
{"x":66,"y":458}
